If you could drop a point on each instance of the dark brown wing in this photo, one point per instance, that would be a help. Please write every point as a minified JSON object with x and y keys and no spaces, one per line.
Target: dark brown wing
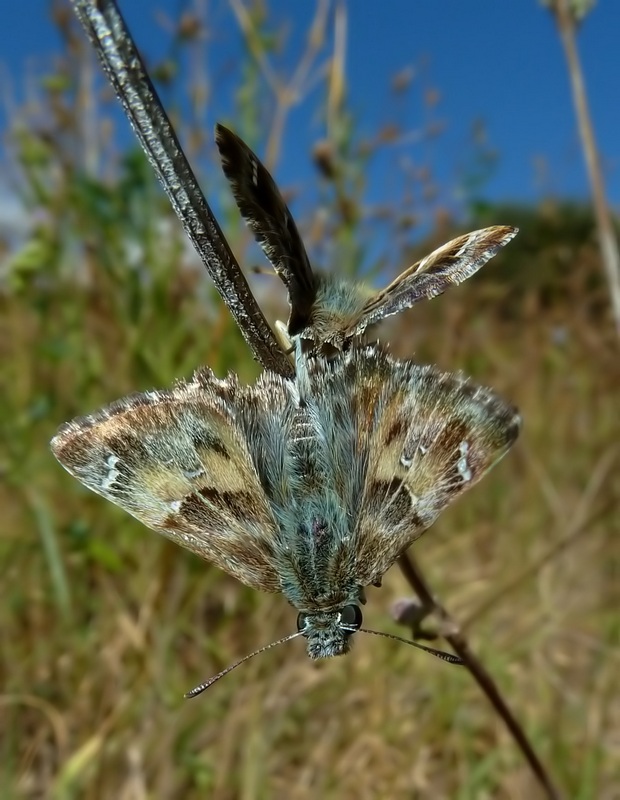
{"x":179,"y":462}
{"x":268,"y":217}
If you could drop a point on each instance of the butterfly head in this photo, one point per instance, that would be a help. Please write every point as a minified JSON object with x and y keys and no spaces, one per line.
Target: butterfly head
{"x":329,"y":632}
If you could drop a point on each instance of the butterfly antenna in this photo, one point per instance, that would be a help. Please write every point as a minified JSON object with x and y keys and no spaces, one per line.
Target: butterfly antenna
{"x":449,"y":657}
{"x":203,"y":686}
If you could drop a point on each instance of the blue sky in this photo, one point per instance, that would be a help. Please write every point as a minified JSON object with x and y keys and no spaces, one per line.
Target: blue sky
{"x":499,"y":61}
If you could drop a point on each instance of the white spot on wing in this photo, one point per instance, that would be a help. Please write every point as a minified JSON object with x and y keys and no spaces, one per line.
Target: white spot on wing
{"x":407,"y":458}
{"x":112,"y":474}
{"x":462,"y":465}
{"x":190,"y":474}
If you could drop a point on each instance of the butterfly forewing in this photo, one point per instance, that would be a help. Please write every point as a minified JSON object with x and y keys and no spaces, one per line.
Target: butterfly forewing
{"x":179,"y":461}
{"x":449,"y":265}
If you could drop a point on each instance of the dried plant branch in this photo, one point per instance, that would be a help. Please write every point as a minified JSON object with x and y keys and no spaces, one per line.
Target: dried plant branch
{"x":452,"y":634}
{"x":550,"y":555}
{"x":316,"y":40}
{"x":247,"y":28}
{"x":337,"y":67}
{"x":286,"y":94}
{"x":290,"y":94}
{"x":121,"y":61}
{"x":566,"y":20}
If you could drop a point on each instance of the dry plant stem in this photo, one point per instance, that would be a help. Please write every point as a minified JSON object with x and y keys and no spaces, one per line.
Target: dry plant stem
{"x":286,"y":94}
{"x":451,"y":633}
{"x":609,"y":246}
{"x":577,"y":523}
{"x":337,"y":69}
{"x":534,"y":569}
{"x":121,"y":61}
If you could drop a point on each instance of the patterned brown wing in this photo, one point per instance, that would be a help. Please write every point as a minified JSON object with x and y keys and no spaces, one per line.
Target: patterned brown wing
{"x":179,"y":462}
{"x":449,"y":265}
{"x":268,"y":217}
{"x":429,"y":436}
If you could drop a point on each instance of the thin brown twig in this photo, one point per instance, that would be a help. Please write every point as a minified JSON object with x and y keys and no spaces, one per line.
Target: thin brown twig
{"x":580,"y":523}
{"x":290,"y":94}
{"x":316,"y":39}
{"x":567,"y":26}
{"x":452,"y":634}
{"x":286,"y":94}
{"x":247,"y":28}
{"x":337,"y":68}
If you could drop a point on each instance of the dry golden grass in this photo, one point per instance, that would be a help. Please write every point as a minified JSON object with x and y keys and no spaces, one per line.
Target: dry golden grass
{"x":105,"y":625}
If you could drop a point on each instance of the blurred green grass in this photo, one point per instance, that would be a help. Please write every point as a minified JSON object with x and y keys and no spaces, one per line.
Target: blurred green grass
{"x":105,"y":625}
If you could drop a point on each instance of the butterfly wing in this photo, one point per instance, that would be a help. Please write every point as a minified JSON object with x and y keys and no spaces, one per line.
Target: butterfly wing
{"x":447,"y":266}
{"x":180,"y":462}
{"x":262,"y":206}
{"x":425,"y":437}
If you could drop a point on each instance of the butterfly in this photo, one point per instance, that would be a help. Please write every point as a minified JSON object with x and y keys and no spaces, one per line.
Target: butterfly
{"x":326,"y":311}
{"x":310,"y":488}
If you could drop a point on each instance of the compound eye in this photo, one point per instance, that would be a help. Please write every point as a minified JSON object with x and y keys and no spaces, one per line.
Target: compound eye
{"x":351,"y":618}
{"x":302,"y":620}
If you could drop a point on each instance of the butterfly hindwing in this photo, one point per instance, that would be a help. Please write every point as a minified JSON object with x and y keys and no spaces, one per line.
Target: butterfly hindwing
{"x":179,"y":461}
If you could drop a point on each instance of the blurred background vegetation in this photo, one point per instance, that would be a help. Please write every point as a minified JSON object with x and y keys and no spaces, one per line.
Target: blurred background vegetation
{"x":105,"y":625}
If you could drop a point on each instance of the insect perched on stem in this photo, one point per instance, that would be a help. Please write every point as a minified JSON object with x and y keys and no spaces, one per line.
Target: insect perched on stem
{"x":310,"y":484}
{"x":311,"y":488}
